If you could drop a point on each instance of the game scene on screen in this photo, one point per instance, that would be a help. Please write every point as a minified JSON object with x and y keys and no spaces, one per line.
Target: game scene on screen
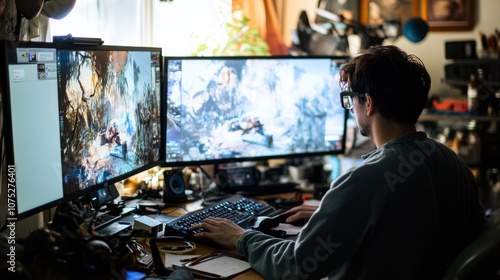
{"x":109,"y":114}
{"x":225,"y":108}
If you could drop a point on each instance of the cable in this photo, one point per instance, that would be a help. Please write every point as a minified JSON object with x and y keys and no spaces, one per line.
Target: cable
{"x":92,"y":222}
{"x":219,"y":195}
{"x":207,"y":175}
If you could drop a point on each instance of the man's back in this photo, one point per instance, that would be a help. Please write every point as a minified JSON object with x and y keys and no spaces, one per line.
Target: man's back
{"x":430,"y":213}
{"x":403,"y":214}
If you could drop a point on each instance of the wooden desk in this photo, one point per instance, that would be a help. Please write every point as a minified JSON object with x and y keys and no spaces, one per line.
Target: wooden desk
{"x":202,"y":249}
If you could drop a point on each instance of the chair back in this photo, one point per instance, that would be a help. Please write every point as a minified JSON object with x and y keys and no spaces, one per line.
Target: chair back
{"x":481,"y":258}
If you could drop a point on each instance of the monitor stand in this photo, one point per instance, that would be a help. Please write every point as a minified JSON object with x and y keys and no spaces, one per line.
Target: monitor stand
{"x":270,"y":188}
{"x":213,"y":195}
{"x":207,"y":201}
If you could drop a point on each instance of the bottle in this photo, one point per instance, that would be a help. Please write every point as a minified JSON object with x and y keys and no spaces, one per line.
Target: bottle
{"x":483,"y":96}
{"x":475,"y":147}
{"x":472,"y":101}
{"x":494,"y":195}
{"x":496,"y":104}
{"x":463,"y":145}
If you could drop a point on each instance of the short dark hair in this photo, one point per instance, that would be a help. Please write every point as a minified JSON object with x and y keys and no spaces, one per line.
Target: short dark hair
{"x":397,"y":82}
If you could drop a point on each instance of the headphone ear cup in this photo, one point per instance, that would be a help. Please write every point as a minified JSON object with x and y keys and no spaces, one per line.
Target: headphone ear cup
{"x":99,"y":255}
{"x":57,"y":9}
{"x":29,"y":8}
{"x":174,"y":187}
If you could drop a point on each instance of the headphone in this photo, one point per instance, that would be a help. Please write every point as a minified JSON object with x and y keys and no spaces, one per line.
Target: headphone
{"x":56,"y":9}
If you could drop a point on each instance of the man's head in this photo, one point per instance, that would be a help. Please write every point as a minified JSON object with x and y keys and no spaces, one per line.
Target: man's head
{"x":397,"y":83}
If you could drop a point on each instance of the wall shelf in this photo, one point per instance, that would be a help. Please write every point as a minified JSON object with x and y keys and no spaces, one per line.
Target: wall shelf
{"x":487,"y":157}
{"x":457,"y":118}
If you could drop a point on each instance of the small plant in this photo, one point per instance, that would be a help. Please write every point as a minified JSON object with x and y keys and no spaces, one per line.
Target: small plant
{"x":241,"y":40}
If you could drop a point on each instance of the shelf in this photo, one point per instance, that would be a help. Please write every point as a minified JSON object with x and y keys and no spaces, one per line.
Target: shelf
{"x":454,"y":117}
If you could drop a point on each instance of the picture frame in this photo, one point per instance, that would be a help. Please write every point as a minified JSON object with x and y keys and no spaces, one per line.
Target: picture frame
{"x":375,"y":12}
{"x":448,"y":15}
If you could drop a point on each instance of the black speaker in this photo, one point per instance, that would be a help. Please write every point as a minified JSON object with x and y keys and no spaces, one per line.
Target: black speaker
{"x":113,"y":191}
{"x":174,"y":187}
{"x":232,"y":180}
{"x":460,"y":49}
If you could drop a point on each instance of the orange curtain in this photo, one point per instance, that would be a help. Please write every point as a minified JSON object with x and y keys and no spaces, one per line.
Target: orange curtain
{"x":263,"y":16}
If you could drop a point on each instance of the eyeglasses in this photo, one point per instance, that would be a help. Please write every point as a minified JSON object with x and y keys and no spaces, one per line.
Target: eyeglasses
{"x":346,"y":98}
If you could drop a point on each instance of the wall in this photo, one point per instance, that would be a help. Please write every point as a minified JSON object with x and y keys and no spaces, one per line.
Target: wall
{"x":430,"y":50}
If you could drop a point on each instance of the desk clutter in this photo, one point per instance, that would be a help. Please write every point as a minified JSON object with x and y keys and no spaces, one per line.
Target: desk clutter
{"x":68,"y":248}
{"x":104,"y":236}
{"x":91,"y":240}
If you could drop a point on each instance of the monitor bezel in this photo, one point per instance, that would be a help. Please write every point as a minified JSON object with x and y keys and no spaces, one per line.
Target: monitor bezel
{"x":177,"y":164}
{"x":6,"y":48}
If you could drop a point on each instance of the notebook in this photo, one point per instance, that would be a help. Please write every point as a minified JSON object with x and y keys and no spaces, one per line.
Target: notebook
{"x":221,"y":266}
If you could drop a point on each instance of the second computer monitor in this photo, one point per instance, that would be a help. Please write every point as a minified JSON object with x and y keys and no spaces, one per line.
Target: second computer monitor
{"x":226,"y":109}
{"x":109,"y":112}
{"x":77,"y":118}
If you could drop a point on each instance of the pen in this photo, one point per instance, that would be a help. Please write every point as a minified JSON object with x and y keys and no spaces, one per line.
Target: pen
{"x":204,"y":257}
{"x":189,"y":259}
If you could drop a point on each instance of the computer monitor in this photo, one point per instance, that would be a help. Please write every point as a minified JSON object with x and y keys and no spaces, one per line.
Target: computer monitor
{"x":231,"y":109}
{"x":78,"y":118}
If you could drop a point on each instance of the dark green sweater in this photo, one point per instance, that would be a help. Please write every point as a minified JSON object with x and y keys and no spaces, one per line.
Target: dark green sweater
{"x":403,"y":214}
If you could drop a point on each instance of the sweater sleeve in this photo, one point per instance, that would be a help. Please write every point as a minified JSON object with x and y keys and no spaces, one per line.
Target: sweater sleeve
{"x":327,"y":241}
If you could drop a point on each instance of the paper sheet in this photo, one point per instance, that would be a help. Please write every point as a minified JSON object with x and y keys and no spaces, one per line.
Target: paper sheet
{"x":223,"y":266}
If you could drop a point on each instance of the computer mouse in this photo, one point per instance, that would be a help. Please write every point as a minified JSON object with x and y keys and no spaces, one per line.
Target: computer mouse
{"x":272,"y":222}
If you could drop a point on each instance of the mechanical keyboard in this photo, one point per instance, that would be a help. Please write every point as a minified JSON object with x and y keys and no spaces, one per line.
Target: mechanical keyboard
{"x":237,"y":208}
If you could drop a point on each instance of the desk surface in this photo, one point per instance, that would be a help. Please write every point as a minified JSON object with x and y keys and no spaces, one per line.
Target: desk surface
{"x":202,"y":249}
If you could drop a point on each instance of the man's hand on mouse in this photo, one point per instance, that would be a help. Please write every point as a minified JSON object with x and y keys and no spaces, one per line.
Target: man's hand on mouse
{"x":300,"y":212}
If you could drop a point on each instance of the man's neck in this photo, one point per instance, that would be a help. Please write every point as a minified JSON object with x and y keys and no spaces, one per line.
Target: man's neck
{"x":383,"y":131}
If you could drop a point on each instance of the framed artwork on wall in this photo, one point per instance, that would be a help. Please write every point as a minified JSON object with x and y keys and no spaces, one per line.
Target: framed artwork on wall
{"x":448,"y":15}
{"x":376,"y":12}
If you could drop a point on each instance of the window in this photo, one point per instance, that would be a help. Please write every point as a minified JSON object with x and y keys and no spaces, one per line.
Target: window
{"x":177,"y":26}
{"x":117,"y":22}
{"x":180,"y":26}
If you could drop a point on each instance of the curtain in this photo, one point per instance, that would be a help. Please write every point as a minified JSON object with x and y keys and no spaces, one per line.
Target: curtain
{"x":263,"y":16}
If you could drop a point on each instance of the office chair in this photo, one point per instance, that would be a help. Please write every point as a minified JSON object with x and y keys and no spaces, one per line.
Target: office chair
{"x":481,"y":258}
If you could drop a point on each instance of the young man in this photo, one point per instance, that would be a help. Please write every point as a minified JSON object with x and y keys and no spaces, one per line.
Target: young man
{"x":403,"y":214}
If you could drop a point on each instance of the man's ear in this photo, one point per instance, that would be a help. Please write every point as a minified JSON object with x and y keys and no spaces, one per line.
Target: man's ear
{"x":370,"y":105}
